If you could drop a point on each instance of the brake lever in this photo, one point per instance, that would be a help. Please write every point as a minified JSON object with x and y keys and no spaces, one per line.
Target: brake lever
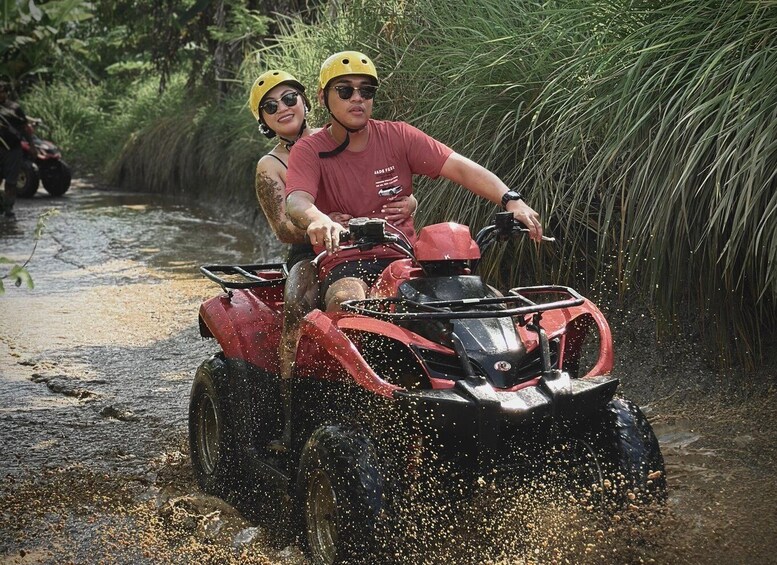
{"x":525,"y":230}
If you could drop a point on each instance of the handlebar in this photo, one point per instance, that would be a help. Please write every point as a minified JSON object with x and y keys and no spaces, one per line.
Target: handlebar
{"x":366,"y":233}
{"x":504,"y":226}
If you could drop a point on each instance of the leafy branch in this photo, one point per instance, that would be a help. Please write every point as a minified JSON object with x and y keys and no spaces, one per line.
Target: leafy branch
{"x":18,"y":273}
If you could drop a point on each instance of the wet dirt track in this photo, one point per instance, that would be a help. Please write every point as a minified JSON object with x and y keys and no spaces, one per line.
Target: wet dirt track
{"x":96,"y":364}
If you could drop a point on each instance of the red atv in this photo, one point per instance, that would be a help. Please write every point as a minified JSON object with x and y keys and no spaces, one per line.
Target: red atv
{"x":42,"y":163}
{"x":436,"y":376}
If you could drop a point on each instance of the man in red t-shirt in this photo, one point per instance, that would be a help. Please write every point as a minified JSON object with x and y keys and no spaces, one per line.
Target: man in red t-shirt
{"x":356,"y":165}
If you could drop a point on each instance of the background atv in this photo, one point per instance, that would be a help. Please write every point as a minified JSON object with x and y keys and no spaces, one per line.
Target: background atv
{"x":42,"y":163}
{"x":436,"y":379}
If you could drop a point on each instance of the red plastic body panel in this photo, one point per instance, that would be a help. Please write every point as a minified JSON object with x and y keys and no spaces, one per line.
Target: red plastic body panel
{"x":445,"y":242}
{"x":571,"y":325}
{"x":326,"y":352}
{"x":247,"y":324}
{"x":392,"y":276}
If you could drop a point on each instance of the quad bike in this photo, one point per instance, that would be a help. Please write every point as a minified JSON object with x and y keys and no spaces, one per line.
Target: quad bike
{"x":435,"y":376}
{"x":42,"y":163}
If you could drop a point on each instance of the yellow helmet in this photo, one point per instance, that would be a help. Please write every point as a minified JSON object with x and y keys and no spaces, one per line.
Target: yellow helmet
{"x":266,"y":82}
{"x":346,"y":63}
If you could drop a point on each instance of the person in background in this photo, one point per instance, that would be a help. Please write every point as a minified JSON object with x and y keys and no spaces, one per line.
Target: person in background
{"x":355,"y":163}
{"x":280,"y":106}
{"x":13,"y":129}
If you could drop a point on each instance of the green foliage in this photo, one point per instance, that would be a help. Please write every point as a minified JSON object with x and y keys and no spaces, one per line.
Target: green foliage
{"x":242,"y":24}
{"x":75,"y":113}
{"x":192,"y":144}
{"x":93,"y":122}
{"x":18,"y":274}
{"x":35,"y":37}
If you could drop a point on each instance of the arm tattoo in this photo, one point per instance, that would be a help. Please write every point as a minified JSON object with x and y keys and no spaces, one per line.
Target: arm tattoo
{"x":269,"y":193}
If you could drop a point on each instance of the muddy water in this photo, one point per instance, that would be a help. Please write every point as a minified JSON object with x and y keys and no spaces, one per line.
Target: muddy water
{"x":96,"y":363}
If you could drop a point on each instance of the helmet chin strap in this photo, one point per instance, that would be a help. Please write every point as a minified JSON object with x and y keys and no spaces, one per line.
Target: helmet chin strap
{"x":348,"y":131}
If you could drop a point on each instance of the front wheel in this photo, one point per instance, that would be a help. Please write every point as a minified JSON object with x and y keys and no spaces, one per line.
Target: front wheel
{"x":627,"y":455}
{"x":211,"y":431}
{"x":342,"y":495}
{"x":57,"y":179}
{"x":28,"y":181}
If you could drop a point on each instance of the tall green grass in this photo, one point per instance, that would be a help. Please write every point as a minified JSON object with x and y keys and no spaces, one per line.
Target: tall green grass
{"x":181,"y":142}
{"x":193,"y":145}
{"x":74,"y":115}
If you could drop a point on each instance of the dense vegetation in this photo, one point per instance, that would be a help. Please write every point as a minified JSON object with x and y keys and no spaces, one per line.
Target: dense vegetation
{"x":642,"y":131}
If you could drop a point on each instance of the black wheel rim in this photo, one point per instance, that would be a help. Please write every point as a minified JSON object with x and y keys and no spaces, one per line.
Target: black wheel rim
{"x":584,"y":471}
{"x":321,"y":515}
{"x":208,"y":436}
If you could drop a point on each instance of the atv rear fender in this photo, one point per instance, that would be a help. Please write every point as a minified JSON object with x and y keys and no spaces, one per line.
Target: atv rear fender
{"x":247,"y":325}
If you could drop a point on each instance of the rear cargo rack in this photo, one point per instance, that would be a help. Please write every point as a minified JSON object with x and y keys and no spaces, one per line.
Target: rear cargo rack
{"x":247,"y":276}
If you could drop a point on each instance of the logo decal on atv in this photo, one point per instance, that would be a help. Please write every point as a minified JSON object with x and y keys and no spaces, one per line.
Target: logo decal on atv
{"x":503,"y":366}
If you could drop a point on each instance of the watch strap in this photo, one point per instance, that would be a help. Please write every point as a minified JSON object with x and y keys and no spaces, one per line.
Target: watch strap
{"x":510,"y":195}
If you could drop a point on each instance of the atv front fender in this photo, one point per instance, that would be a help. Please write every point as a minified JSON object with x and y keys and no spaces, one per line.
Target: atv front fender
{"x":325,"y":352}
{"x":572,"y":325}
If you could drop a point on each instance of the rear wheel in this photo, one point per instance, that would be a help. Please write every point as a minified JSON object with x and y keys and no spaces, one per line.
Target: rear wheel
{"x":342,"y":495}
{"x":29,"y":178}
{"x":57,"y":179}
{"x":211,"y":432}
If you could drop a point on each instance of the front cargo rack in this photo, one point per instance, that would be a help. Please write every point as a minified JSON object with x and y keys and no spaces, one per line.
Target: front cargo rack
{"x":398,"y":309}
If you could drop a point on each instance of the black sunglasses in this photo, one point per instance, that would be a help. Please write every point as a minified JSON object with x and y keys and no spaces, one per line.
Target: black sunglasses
{"x":271,"y":106}
{"x":345,"y":92}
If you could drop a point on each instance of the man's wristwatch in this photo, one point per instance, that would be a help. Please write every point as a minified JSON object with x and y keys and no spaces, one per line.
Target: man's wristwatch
{"x":510,"y":195}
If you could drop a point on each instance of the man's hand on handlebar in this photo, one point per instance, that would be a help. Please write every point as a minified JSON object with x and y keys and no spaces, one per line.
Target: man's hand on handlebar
{"x":325,"y":232}
{"x":524,"y":214}
{"x":341,"y":218}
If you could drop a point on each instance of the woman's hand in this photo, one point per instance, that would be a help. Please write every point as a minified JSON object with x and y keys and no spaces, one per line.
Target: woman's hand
{"x":399,"y":209}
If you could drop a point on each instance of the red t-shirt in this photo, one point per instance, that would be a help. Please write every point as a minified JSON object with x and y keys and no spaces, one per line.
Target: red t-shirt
{"x":360,"y":183}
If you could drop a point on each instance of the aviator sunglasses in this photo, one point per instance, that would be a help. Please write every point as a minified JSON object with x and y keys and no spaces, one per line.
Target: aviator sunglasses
{"x":345,"y":92}
{"x":289,"y":99}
